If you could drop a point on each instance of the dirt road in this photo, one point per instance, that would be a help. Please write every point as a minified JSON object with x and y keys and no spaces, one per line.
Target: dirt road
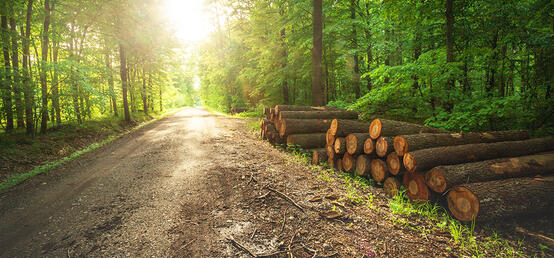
{"x":184,"y":186}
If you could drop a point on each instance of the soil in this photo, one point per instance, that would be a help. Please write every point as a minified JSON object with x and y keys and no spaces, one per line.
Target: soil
{"x":197,"y":184}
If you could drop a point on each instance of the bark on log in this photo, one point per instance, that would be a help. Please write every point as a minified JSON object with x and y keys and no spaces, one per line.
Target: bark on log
{"x":348,"y":163}
{"x":441,"y":178}
{"x":345,"y":127}
{"x":318,"y":115}
{"x":378,"y":170}
{"x":355,"y":143}
{"x":330,"y":150}
{"x":340,"y":145}
{"x":428,"y":158}
{"x":329,"y":138}
{"x":416,"y":190}
{"x":280,"y":108}
{"x":363,"y":165}
{"x":385,"y":127}
{"x":332,"y":161}
{"x":272,"y":114}
{"x":405,"y":143}
{"x":384,"y":146}
{"x":298,"y":126}
{"x":307,"y":141}
{"x":266,"y":111}
{"x":391,"y":186}
{"x":319,"y":156}
{"x":502,"y":198}
{"x":369,"y":146}
{"x":394,"y":164}
{"x":339,"y":165}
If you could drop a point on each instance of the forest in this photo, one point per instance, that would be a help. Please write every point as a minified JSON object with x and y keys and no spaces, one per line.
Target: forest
{"x":70,"y":61}
{"x":454,"y":64}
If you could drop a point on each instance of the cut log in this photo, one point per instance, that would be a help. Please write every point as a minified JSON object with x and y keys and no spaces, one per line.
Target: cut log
{"x":280,"y":108}
{"x":298,"y":126}
{"x":348,"y":163}
{"x":405,"y":143}
{"x":369,"y":146}
{"x":355,"y":143}
{"x":384,"y":146}
{"x":307,"y":141}
{"x":236,"y":110}
{"x":378,"y":170}
{"x":266,"y":111}
{"x":329,"y":138}
{"x":330,"y":150}
{"x":332,"y":161}
{"x":428,"y":158}
{"x":363,"y":165}
{"x":319,"y":156}
{"x":394,"y":164}
{"x":345,"y":127}
{"x":502,"y":198}
{"x":416,"y":190}
{"x":391,"y":186}
{"x":340,"y":145}
{"x":272,"y":114}
{"x":385,"y":127}
{"x":441,"y":178}
{"x":318,"y":115}
{"x":339,"y":165}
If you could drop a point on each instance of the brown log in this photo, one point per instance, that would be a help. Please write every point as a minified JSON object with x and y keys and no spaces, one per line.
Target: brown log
{"x":348,"y":163}
{"x":330,"y":150}
{"x":441,"y":178}
{"x":318,"y":114}
{"x":384,"y":146}
{"x":428,"y":158}
{"x":307,"y":141}
{"x":329,"y":138}
{"x":345,"y":127}
{"x":385,"y":127}
{"x":298,"y":126}
{"x":394,"y":164}
{"x":378,"y":170}
{"x":332,"y":161}
{"x":355,"y":143}
{"x":280,"y":108}
{"x":405,"y":143}
{"x":339,"y":165}
{"x":416,"y":190}
{"x":502,"y":198}
{"x":266,"y":111}
{"x":319,"y":156}
{"x":340,"y":145}
{"x":391,"y":186}
{"x":363,"y":165}
{"x":272,"y":114}
{"x":369,"y":146}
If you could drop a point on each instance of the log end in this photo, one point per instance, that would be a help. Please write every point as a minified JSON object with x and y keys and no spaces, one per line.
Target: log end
{"x":361,"y":165}
{"x":381,"y":147}
{"x":415,"y":187}
{"x":400,"y":145}
{"x":375,"y":129}
{"x":339,"y":165}
{"x":348,"y":163}
{"x":409,"y":162}
{"x":351,"y":144}
{"x":338,"y":142}
{"x":462,"y":203}
{"x":369,"y":146}
{"x":435,"y":179}
{"x":282,"y":125}
{"x":393,"y":163}
{"x":330,"y":150}
{"x":332,"y":162}
{"x":391,"y":186}
{"x":334,"y":126}
{"x":329,"y":137}
{"x":378,"y":170}
{"x":315,"y":158}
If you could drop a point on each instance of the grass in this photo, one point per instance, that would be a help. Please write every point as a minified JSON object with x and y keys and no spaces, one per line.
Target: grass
{"x":92,"y":125}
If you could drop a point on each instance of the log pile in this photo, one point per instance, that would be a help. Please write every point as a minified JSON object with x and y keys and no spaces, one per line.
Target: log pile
{"x":236,"y":110}
{"x":481,"y":176}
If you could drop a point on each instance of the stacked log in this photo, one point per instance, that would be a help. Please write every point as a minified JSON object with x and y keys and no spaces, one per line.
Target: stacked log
{"x":236,"y":110}
{"x":307,"y":141}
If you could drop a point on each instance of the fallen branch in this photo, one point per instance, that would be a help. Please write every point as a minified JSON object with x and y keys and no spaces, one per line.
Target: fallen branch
{"x":286,"y":198}
{"x":187,"y":244}
{"x":239,"y":246}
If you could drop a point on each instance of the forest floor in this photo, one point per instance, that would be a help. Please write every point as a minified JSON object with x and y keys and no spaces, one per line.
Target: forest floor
{"x":198,"y":184}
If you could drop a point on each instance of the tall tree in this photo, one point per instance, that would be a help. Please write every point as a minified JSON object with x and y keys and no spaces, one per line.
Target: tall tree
{"x":43,"y":67}
{"x":124,"y":81}
{"x":27,"y":82}
{"x":317,"y":49}
{"x":19,"y":108}
{"x":7,"y":85}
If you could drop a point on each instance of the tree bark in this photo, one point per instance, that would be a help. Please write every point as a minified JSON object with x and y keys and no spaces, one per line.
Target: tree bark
{"x":340,"y":145}
{"x":111,"y":89}
{"x":27,"y":84}
{"x":405,"y":143}
{"x":385,"y":127}
{"x":441,"y":178}
{"x":317,"y":90}
{"x":307,"y":141}
{"x":43,"y":82}
{"x":341,"y":128}
{"x":426,"y":159}
{"x":363,"y":165}
{"x":378,"y":170}
{"x":356,"y":68}
{"x":144,"y":93}
{"x":7,"y":87}
{"x":318,"y":114}
{"x":123,"y":74}
{"x":384,"y":146}
{"x":502,"y":198}
{"x":298,"y":126}
{"x":319,"y":156}
{"x":449,"y":38}
{"x":355,"y":143}
{"x":19,"y":107}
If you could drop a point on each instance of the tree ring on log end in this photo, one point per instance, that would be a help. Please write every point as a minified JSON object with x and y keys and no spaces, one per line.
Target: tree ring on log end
{"x":368,"y":146}
{"x":351,"y":143}
{"x":400,"y":145}
{"x":375,"y":128}
{"x":393,"y":163}
{"x":391,"y":186}
{"x":409,"y":162}
{"x":381,"y":147}
{"x":435,"y":179}
{"x":462,"y":203}
{"x":334,"y":126}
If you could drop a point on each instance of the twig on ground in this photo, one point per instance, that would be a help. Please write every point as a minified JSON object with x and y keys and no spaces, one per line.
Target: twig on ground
{"x":263,"y":195}
{"x":254,"y":233}
{"x":286,"y":198}
{"x":187,"y":244}
{"x":284,"y":221}
{"x":239,"y":246}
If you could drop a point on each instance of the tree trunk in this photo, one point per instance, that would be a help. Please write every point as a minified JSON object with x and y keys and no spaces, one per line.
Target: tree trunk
{"x":394,"y":164}
{"x":384,"y":127}
{"x":307,"y":141}
{"x":111,"y":90}
{"x":391,"y":186}
{"x":502,"y":198}
{"x":384,"y":146}
{"x":283,"y":67}
{"x":441,"y":178}
{"x":28,"y":94}
{"x":426,"y":159}
{"x":363,"y":165}
{"x":355,"y":143}
{"x":298,"y":126}
{"x":405,"y":143}
{"x":356,"y":68}
{"x":19,"y":107}
{"x":318,"y":114}
{"x":43,"y":82}
{"x":143,"y":92}
{"x":340,"y":145}
{"x":341,"y":128}
{"x":7,"y":87}
{"x":416,"y":190}
{"x":348,"y":163}
{"x":319,"y":156}
{"x":123,"y":74}
{"x":378,"y":170}
{"x":317,"y":90}
{"x":449,"y":39}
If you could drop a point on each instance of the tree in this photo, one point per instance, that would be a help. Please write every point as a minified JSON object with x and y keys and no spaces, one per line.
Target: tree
{"x":317,"y":89}
{"x":43,"y":82}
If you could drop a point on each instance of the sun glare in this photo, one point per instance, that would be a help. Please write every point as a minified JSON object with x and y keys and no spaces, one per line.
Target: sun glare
{"x":189,"y":19}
